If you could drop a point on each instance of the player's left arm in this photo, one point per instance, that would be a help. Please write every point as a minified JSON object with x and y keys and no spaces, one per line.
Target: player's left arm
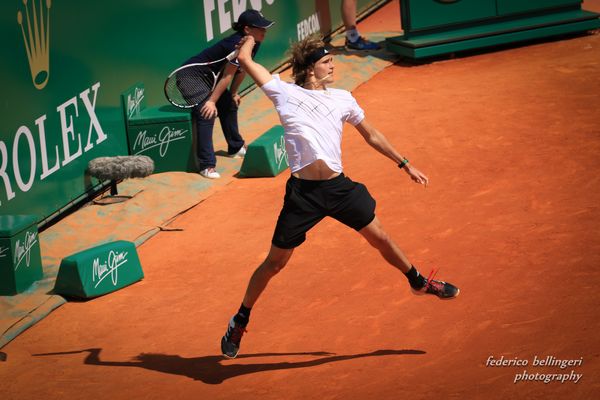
{"x":380,"y":143}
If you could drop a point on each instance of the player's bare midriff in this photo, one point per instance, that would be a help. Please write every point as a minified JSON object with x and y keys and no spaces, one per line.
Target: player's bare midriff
{"x":317,"y":171}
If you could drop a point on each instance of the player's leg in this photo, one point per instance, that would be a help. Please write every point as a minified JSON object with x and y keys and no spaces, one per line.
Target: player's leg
{"x":298,"y":215}
{"x":352,"y":204}
{"x":275,"y":261}
{"x":379,"y":239}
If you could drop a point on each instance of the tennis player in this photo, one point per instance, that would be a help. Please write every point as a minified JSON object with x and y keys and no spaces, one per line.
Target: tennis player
{"x":312,"y":115}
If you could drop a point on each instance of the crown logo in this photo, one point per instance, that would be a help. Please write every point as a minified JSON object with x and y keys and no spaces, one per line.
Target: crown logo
{"x":37,"y":41}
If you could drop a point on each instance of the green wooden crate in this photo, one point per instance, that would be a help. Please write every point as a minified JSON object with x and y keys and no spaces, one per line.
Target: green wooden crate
{"x":20,"y":258}
{"x":163,"y":133}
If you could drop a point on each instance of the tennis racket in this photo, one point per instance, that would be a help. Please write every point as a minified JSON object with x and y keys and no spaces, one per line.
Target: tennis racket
{"x":192,"y":84}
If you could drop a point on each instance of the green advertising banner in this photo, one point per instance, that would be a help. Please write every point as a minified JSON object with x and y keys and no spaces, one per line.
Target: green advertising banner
{"x":65,"y":64}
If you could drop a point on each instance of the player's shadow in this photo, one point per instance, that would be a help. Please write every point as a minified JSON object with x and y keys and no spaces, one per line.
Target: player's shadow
{"x":215,"y":370}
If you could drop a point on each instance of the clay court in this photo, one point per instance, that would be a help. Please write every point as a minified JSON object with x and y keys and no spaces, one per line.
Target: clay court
{"x":510,"y":140}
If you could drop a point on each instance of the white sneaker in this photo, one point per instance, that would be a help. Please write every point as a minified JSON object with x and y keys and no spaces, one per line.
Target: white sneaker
{"x":240,"y":154}
{"x":210,"y":173}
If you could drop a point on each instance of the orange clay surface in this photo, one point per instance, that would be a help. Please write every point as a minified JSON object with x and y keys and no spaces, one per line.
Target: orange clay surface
{"x":510,"y":140}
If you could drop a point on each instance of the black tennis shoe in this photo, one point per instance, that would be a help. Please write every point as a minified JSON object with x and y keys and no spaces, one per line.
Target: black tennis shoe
{"x":230,"y":342}
{"x":443,"y":290}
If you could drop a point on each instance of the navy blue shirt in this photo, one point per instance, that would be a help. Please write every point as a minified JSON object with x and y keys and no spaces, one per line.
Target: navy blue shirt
{"x":220,"y":50}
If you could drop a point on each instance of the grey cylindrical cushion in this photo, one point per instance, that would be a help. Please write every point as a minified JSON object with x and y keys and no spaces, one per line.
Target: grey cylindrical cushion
{"x":120,"y":167}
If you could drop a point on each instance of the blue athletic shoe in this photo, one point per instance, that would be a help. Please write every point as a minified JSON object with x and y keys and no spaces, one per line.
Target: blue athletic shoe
{"x":362,"y":44}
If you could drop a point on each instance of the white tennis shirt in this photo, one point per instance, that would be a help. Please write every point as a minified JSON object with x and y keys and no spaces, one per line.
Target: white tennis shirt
{"x":312,"y":121}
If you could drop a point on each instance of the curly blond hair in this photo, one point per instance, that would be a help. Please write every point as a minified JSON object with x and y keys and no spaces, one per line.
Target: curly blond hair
{"x":299,"y":52}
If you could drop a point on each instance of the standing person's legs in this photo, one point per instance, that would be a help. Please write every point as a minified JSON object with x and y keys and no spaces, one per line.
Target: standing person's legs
{"x":349,"y":14}
{"x":204,"y":145}
{"x":353,"y":39}
{"x":228,"y":116}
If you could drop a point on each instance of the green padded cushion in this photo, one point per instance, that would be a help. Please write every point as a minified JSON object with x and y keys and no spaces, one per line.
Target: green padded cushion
{"x":266,"y":156}
{"x":99,"y":270}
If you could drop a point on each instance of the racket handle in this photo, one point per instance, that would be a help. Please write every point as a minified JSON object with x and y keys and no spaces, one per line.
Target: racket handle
{"x":233,"y":55}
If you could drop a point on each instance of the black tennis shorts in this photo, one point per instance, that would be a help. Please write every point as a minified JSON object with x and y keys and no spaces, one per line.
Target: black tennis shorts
{"x":308,"y":202}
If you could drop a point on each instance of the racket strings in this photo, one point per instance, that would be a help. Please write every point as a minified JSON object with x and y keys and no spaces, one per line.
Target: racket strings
{"x":190,"y":86}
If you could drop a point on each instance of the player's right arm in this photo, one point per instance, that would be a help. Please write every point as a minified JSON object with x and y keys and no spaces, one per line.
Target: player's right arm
{"x":378,"y":141}
{"x":256,"y":71}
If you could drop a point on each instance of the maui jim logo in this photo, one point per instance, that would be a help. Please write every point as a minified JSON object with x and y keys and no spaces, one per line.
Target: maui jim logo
{"x":280,"y":153}
{"x":145,"y":141}
{"x":36,"y":36}
{"x":23,"y":250}
{"x":108,"y":268}
{"x":134,"y":102}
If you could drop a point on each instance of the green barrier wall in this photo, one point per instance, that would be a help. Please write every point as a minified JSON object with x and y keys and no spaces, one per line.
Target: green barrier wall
{"x":65,"y":63}
{"x":436,"y":27}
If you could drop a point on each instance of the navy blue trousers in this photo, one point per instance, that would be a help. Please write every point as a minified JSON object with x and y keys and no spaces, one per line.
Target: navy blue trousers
{"x":228,"y":117}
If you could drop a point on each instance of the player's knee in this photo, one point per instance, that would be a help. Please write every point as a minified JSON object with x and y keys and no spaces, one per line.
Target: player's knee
{"x":274,"y":267}
{"x":379,"y":239}
{"x":275,"y":264}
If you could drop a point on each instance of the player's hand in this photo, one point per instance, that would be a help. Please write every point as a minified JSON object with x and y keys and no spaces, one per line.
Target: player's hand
{"x":237,"y":99}
{"x":416,"y":175}
{"x":209,"y":110}
{"x":246,"y":39}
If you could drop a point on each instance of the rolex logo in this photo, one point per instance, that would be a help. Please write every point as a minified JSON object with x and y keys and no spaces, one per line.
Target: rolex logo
{"x":36,"y":36}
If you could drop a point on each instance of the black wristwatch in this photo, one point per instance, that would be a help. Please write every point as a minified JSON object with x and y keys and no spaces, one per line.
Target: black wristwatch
{"x":403,"y":163}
